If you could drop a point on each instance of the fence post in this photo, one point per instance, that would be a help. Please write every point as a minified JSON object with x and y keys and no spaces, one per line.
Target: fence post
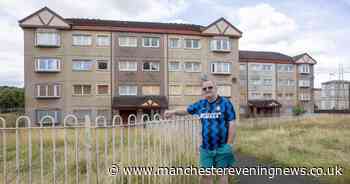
{"x":113,"y":140}
{"x":4,"y":149}
{"x":65,"y":145}
{"x":88,"y":147}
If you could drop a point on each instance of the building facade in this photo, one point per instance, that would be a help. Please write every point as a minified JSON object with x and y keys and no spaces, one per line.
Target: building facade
{"x":271,"y":83}
{"x":335,"y":95}
{"x":103,"y":68}
{"x":305,"y":78}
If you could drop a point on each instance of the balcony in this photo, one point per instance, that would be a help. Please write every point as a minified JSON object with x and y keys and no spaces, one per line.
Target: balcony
{"x":142,"y":102}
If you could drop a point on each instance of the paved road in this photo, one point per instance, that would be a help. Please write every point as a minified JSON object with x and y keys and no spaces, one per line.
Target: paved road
{"x":247,"y":161}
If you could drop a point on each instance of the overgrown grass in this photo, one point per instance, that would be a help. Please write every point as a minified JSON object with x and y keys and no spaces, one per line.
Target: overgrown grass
{"x":320,"y":141}
{"x":135,"y":146}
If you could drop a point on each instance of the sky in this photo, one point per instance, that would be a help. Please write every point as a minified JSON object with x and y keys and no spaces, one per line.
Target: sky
{"x":317,"y":27}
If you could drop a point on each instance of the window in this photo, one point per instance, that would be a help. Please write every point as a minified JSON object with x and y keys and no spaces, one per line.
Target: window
{"x":242,"y":67}
{"x":304,"y":68}
{"x":47,"y":91}
{"x":254,"y":95}
{"x":128,"y":90}
{"x":47,"y":65}
{"x":267,"y":67}
{"x":150,"y":90}
{"x":268,"y":82}
{"x":255,"y":67}
{"x":304,"y":97}
{"x":150,"y":42}
{"x":81,"y":89}
{"x":220,"y":45}
{"x":82,"y":40}
{"x":192,"y":67}
{"x":127,"y":66}
{"x":102,"y":40}
{"x":151,"y":67}
{"x":193,"y":90}
{"x":221,"y":68}
{"x":81,"y":113}
{"x":174,"y":66}
{"x":286,"y":82}
{"x":224,"y":90}
{"x":127,"y":41}
{"x":55,"y":114}
{"x":102,"y":89}
{"x":175,"y":90}
{"x":192,"y":43}
{"x":102,"y":65}
{"x":174,"y":43}
{"x":255,"y":81}
{"x":82,"y":65}
{"x":48,"y":39}
{"x":304,"y":83}
{"x":267,"y":96}
{"x":285,"y":68}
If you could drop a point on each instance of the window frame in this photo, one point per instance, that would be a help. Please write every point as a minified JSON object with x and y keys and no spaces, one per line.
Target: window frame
{"x":178,"y":43}
{"x":151,"y":63}
{"x":192,"y":67}
{"x":179,"y":68}
{"x":82,"y":90}
{"x":152,"y":86}
{"x":81,"y":35}
{"x":90,"y":61}
{"x":151,"y":42}
{"x":100,"y":61}
{"x":128,"y":65}
{"x":127,"y":41}
{"x":56,"y":89}
{"x":128,"y":90}
{"x":39,"y":59}
{"x":214,"y":65}
{"x":214,"y":45}
{"x":103,"y":36}
{"x":58,"y":39}
{"x":57,"y":114}
{"x":102,"y":94}
{"x":192,"y":43}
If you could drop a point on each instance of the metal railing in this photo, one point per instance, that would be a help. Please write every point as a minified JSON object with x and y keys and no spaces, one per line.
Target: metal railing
{"x":82,"y":152}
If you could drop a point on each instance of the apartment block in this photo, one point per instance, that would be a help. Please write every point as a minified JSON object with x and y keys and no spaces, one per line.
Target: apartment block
{"x":270,"y":85}
{"x":305,"y":78}
{"x":335,"y":95}
{"x":102,"y":67}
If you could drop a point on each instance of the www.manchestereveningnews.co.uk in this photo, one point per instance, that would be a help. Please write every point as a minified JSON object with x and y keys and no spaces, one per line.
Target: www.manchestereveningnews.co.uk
{"x":271,"y":172}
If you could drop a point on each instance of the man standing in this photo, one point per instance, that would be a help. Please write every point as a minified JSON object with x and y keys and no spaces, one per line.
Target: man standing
{"x":218,"y":129}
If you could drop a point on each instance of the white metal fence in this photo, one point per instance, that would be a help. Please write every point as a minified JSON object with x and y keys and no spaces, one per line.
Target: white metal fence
{"x":74,"y":152}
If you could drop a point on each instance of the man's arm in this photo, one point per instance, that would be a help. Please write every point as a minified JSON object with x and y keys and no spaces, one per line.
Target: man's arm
{"x":231,"y":132}
{"x":178,"y":112}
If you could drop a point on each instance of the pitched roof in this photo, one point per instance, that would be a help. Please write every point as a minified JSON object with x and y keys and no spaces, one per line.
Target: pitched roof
{"x":298,"y":57}
{"x":133,"y":24}
{"x":223,"y":19}
{"x":263,"y":56}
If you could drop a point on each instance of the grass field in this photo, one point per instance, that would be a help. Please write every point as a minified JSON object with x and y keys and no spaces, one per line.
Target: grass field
{"x":320,"y":141}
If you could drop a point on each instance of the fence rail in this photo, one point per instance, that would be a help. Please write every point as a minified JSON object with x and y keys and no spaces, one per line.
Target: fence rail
{"x":76,"y":152}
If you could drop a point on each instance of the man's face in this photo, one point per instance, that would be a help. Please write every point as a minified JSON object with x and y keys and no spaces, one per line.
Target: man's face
{"x":208,"y":89}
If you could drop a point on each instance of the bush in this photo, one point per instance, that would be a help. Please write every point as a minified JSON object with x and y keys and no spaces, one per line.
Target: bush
{"x":298,"y":110}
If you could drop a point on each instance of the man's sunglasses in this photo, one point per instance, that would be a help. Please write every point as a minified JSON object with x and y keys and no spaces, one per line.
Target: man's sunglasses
{"x":207,"y":88}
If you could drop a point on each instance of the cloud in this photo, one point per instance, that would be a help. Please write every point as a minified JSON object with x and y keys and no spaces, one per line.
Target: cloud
{"x":264,"y":24}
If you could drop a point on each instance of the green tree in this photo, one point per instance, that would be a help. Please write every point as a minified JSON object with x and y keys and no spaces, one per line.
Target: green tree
{"x":11,"y":98}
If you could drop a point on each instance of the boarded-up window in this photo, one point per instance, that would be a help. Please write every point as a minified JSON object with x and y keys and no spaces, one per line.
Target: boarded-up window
{"x":151,"y":90}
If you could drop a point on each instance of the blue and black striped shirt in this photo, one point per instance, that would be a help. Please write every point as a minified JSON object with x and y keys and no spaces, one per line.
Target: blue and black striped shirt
{"x":215,"y":117}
